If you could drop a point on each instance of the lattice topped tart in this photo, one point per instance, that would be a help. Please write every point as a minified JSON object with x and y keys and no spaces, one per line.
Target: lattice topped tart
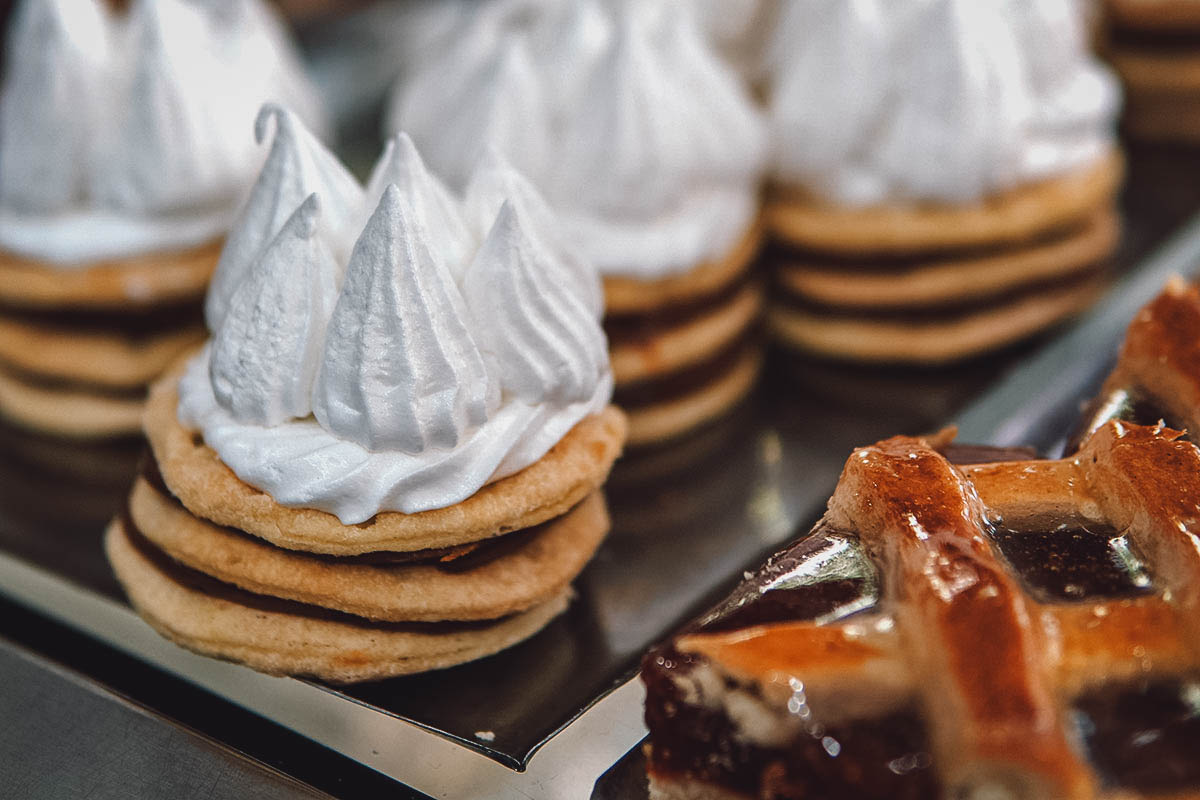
{"x":1157,"y":376}
{"x":956,"y":630}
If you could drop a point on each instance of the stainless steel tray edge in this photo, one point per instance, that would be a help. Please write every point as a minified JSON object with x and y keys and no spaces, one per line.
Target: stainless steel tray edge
{"x":565,"y":767}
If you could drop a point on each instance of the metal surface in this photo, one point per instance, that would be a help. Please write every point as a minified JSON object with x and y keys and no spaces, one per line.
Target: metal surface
{"x":51,"y":715}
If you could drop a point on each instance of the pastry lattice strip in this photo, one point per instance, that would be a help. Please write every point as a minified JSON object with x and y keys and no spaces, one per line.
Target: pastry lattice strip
{"x":1159,"y":362}
{"x":992,"y":668}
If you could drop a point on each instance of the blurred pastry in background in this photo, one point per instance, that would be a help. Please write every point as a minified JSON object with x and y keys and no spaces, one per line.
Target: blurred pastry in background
{"x":1154,"y":45}
{"x":944,"y":175}
{"x":388,"y":457}
{"x":125,"y":149}
{"x":739,"y":31}
{"x":650,"y":152}
{"x":356,"y":54}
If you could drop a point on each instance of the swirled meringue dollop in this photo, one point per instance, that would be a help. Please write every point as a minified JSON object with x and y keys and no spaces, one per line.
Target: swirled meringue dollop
{"x":878,"y":101}
{"x":401,"y":370}
{"x":297,"y":165}
{"x":126,"y":132}
{"x":265,"y":355}
{"x":645,"y":145}
{"x":453,"y":355}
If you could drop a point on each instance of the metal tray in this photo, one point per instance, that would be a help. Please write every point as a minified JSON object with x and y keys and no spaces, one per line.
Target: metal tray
{"x":548,"y":717}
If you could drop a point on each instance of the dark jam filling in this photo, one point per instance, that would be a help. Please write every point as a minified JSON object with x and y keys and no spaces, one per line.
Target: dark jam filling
{"x":823,"y":575}
{"x":1145,"y":738}
{"x":1074,"y":562}
{"x":1123,"y":405}
{"x":884,"y":757}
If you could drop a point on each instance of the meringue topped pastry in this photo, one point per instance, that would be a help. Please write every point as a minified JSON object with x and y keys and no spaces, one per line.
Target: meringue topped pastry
{"x":149,"y":110}
{"x":936,"y":101}
{"x":649,"y":151}
{"x":1152,"y":45}
{"x":398,"y":377}
{"x":417,"y":345}
{"x":944,"y":174}
{"x":125,"y":151}
{"x":638,"y":136}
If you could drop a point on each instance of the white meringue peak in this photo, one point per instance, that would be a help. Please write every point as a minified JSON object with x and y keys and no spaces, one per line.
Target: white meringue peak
{"x":495,"y":182}
{"x":401,"y":166}
{"x":501,"y":102}
{"x":265,"y":354}
{"x":124,"y":132}
{"x":645,"y":145}
{"x":539,"y":333}
{"x":430,"y":382}
{"x":57,"y":55}
{"x":881,"y":101}
{"x":169,"y":150}
{"x":297,"y":165}
{"x":401,"y":370}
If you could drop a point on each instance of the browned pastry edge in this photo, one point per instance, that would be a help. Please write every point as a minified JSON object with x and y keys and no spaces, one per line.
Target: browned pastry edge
{"x":156,"y":278}
{"x":633,"y":296}
{"x":282,"y":643}
{"x":570,"y":471}
{"x":538,"y":566}
{"x":934,"y":340}
{"x":72,"y":413}
{"x":656,"y":422}
{"x":690,"y":342}
{"x":1167,"y":74}
{"x":102,"y":358}
{"x":1011,"y":217}
{"x":1160,"y":356}
{"x":934,"y":281}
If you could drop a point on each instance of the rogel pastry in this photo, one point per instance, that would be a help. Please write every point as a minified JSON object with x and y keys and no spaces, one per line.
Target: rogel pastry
{"x":943,"y":175}
{"x":389,"y":455}
{"x":1154,"y":46}
{"x":124,"y":151}
{"x":968,"y":621}
{"x":650,"y":152}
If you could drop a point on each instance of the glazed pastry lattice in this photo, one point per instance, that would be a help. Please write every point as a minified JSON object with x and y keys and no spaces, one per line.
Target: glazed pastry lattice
{"x":992,"y":663}
{"x":956,"y":632}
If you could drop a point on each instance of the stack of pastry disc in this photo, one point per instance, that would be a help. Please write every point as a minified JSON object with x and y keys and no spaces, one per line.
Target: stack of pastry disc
{"x":221,"y":568}
{"x":1154,"y":45}
{"x":933,"y":284}
{"x":683,"y":348}
{"x":79,"y":345}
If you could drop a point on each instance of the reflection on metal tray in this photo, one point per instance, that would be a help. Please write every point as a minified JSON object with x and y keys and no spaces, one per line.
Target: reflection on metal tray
{"x":549,"y":716}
